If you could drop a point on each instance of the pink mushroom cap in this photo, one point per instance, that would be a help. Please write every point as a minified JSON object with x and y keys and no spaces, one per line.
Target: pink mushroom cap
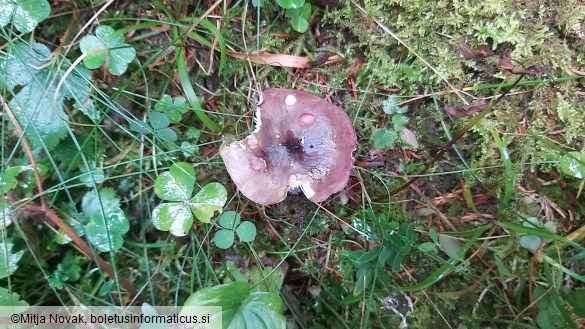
{"x":300,"y":141}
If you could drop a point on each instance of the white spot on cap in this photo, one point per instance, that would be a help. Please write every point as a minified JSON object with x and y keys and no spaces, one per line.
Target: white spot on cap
{"x":307,"y":119}
{"x":290,"y":100}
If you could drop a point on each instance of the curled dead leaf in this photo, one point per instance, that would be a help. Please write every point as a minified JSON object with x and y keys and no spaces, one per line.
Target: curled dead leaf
{"x":479,"y":52}
{"x":467,"y":110}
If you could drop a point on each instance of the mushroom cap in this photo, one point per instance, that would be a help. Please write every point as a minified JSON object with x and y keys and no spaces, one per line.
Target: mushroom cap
{"x":300,"y":141}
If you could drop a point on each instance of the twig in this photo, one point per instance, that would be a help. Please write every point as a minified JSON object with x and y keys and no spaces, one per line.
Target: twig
{"x":80,"y":243}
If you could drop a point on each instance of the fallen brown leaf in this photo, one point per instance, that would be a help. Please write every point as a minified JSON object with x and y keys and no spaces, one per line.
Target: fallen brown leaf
{"x":474,"y":53}
{"x":467,"y":110}
{"x":273,"y":59}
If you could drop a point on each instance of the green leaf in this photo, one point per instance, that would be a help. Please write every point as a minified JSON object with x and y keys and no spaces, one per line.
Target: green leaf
{"x":172,"y":108}
{"x":158,"y":120}
{"x":390,"y":105}
{"x":240,"y":308}
{"x":384,"y":138}
{"x":177,"y":183}
{"x":246,"y":231}
{"x":105,"y":232}
{"x":305,"y":11}
{"x":8,"y":260}
{"x":576,"y":299}
{"x":286,"y":4}
{"x":11,"y":299}
{"x":224,"y":238}
{"x":573,"y":164}
{"x":68,"y":269}
{"x":206,"y":202}
{"x":451,"y":247}
{"x":38,"y":105}
{"x":427,"y":247}
{"x":229,"y":220}
{"x":106,"y":44}
{"x":25,"y":14}
{"x":299,"y":24}
{"x":398,"y":122}
{"x":530,"y":242}
{"x":94,"y":202}
{"x":174,"y":217}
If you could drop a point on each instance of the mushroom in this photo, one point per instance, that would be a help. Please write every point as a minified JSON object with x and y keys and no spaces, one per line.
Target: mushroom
{"x":300,"y":141}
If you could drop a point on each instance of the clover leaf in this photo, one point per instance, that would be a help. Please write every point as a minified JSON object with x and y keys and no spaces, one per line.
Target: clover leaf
{"x":8,"y":260}
{"x":160,"y":124}
{"x":106,"y":44}
{"x":230,"y":221}
{"x":176,"y":185}
{"x":107,"y":223}
{"x":38,"y":105}
{"x":25,"y":14}
{"x":172,"y":108}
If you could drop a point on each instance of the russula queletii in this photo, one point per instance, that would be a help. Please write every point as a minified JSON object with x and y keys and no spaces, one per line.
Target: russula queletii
{"x":300,"y":141}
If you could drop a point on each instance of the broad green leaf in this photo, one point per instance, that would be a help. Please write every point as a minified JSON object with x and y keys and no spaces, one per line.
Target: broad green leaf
{"x":305,"y":11}
{"x":246,"y":231}
{"x":573,"y":164}
{"x":300,"y":24}
{"x":106,"y":232}
{"x":160,"y":124}
{"x":94,"y":202}
{"x":38,"y":105}
{"x":229,"y":220}
{"x":240,"y":308}
{"x":451,"y":247}
{"x":8,"y":179}
{"x":25,"y":14}
{"x":107,"y":45}
{"x":286,"y":4}
{"x":8,"y":260}
{"x":158,"y":120}
{"x":576,"y":299}
{"x":174,"y":217}
{"x":206,"y":202}
{"x":224,"y":238}
{"x":427,"y":247}
{"x":384,"y":138}
{"x":11,"y":299}
{"x":176,"y":184}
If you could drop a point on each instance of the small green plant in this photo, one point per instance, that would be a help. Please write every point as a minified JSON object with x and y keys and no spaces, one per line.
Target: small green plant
{"x":105,"y":222}
{"x":24,"y":14}
{"x":230,"y":221}
{"x":172,"y":108}
{"x":399,"y":241}
{"x":299,"y":13}
{"x":386,"y":137}
{"x":241,"y":307}
{"x":176,"y":185}
{"x":107,"y":45}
